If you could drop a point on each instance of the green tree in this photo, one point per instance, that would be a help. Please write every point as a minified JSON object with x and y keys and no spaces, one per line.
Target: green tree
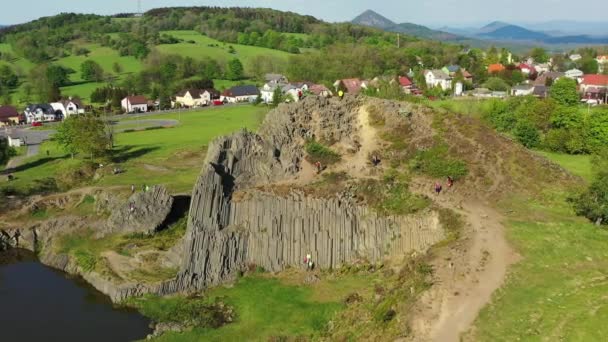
{"x":540,"y":55}
{"x":91,"y":71}
{"x":496,"y":84}
{"x":117,"y":68}
{"x":592,"y":203}
{"x":277,"y":96}
{"x":564,"y":92}
{"x":589,"y":66}
{"x":57,"y":75}
{"x":8,"y":78}
{"x":527,"y":134}
{"x":83,"y":134}
{"x":235,"y":70}
{"x":6,"y":152}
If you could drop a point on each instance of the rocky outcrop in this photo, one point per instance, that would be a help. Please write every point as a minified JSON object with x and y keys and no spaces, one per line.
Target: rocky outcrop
{"x":144,"y":212}
{"x":225,"y":234}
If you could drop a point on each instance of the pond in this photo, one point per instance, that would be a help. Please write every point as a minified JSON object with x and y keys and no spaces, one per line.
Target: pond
{"x":38,"y":303}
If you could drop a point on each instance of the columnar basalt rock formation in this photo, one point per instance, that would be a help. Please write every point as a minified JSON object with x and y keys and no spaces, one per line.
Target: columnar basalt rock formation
{"x":225,"y":234}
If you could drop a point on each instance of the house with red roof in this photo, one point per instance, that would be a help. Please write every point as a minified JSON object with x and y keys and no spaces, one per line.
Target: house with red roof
{"x":526,"y":69}
{"x":9,"y":116}
{"x":495,"y":68}
{"x":594,"y":87}
{"x":350,"y":85}
{"x":135,"y":104}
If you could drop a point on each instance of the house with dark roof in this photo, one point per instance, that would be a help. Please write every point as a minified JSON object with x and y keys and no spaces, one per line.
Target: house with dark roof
{"x":352,"y":86}
{"x":39,"y":113}
{"x":67,"y":107}
{"x":241,"y":93}
{"x":135,"y":104}
{"x":9,"y":116}
{"x":275,"y":78}
{"x":548,"y":77}
{"x":192,"y":98}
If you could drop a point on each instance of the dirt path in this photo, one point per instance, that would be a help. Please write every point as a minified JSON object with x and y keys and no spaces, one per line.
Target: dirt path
{"x":466,"y":273}
{"x":358,"y":165}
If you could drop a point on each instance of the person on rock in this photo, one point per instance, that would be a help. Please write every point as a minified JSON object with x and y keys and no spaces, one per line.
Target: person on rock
{"x":132,"y":188}
{"x":438,"y":188}
{"x":375,"y":160}
{"x":341,"y":94}
{"x":450,"y":182}
{"x":319,"y":167}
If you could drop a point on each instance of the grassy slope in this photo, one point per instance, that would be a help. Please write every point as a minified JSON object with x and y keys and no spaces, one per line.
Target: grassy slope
{"x":558,"y":291}
{"x":176,"y":152}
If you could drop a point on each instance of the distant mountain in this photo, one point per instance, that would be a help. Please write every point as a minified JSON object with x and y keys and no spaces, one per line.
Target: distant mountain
{"x":373,"y":19}
{"x":512,"y":32}
{"x":570,"y":27}
{"x":491,"y":27}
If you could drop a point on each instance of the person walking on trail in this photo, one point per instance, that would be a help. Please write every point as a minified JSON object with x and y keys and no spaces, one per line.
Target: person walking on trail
{"x":132,"y":188}
{"x":450,"y":182}
{"x":147,"y":188}
{"x":341,"y":94}
{"x":131,"y":207}
{"x":438,"y":188}
{"x":375,"y":160}
{"x":319,"y":167}
{"x":308,"y":261}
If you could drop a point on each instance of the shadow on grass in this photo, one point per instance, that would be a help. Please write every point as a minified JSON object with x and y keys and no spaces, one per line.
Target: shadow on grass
{"x":33,"y":164}
{"x":126,"y":153}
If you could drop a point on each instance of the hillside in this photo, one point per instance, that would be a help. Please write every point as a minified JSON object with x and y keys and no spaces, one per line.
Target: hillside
{"x":373,"y":19}
{"x":512,"y":32}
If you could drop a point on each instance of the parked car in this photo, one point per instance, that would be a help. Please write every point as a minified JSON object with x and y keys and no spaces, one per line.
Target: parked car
{"x":218,"y":103}
{"x":36,"y":124}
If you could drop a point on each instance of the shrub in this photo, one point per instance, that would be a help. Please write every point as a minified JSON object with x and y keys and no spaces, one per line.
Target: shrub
{"x":527,"y":134}
{"x":592,"y":203}
{"x":318,"y":152}
{"x":436,"y":162}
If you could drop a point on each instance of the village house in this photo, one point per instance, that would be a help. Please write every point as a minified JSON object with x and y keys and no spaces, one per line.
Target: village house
{"x":541,"y":91}
{"x":438,"y":78}
{"x":135,"y":104}
{"x":526,"y":69}
{"x":39,"y":113}
{"x":406,"y":84}
{"x":9,"y":116}
{"x":267,"y":91}
{"x":495,"y":68}
{"x":574,"y":74}
{"x":192,"y":98}
{"x":276,"y":78}
{"x":522,"y":90}
{"x":320,"y":90}
{"x":351,"y":85}
{"x":575,"y":57}
{"x":594,"y":87}
{"x":242,"y":93}
{"x":546,"y":76}
{"x":67,"y":107}
{"x":543,"y":67}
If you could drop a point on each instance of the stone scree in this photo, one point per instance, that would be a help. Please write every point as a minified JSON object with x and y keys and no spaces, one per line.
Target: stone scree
{"x":224,"y":235}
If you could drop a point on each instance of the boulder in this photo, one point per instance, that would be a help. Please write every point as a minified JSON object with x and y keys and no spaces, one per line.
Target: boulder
{"x":144,"y":212}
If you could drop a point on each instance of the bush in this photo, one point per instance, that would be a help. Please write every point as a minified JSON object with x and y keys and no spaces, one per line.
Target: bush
{"x":527,"y":134}
{"x":436,"y":162}
{"x":592,"y":203}
{"x":318,"y":152}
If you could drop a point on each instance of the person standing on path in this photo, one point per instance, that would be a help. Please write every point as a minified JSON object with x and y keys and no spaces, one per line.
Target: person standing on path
{"x":438,"y":188}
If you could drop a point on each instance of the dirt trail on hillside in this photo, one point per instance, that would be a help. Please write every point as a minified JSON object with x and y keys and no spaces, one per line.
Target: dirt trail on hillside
{"x":358,"y":165}
{"x":466,"y":273}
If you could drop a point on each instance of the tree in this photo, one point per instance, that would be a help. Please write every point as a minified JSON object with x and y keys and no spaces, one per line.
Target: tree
{"x":563,"y":91}
{"x":117,"y":68}
{"x":6,"y":152}
{"x":540,"y":55}
{"x":589,"y":66}
{"x":277,"y":96}
{"x":592,"y":203}
{"x":527,"y":134}
{"x":496,"y":84}
{"x":91,"y":71}
{"x":8,"y":78}
{"x":57,"y":75}
{"x":235,"y":70}
{"x":84,"y":134}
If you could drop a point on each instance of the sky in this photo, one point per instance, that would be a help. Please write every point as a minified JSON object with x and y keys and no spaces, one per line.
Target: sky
{"x":428,"y":12}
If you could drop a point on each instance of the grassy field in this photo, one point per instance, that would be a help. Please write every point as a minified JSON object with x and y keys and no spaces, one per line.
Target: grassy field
{"x":205,"y":47}
{"x":266,"y":307}
{"x":170,"y":156}
{"x":579,"y":165}
{"x":558,"y":291}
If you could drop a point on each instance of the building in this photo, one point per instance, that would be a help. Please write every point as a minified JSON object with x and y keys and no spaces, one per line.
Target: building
{"x":351,"y":85}
{"x":267,"y":91}
{"x":9,"y":116}
{"x":602,"y":63}
{"x":575,"y":57}
{"x":574,"y":74}
{"x":594,"y":87}
{"x":242,"y":93}
{"x":543,"y":67}
{"x":135,"y":104}
{"x":320,"y":90}
{"x":67,"y":107}
{"x":526,"y":69}
{"x":438,"y":78}
{"x":192,"y":98}
{"x":522,"y":90}
{"x":39,"y":113}
{"x":406,"y":84}
{"x":495,"y":68}
{"x":276,"y":78}
{"x":546,"y":76}
{"x":541,"y":91}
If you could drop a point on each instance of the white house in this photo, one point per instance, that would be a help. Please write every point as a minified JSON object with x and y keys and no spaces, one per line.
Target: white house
{"x":602,"y":63}
{"x":135,"y":104}
{"x":39,"y":113}
{"x":574,"y":74}
{"x":243,"y":93}
{"x":15,"y":142}
{"x":522,"y":90}
{"x":267,"y":91}
{"x":192,"y":98}
{"x":295,"y":90}
{"x":543,"y":67}
{"x":575,"y":57}
{"x":68,"y":107}
{"x":439,"y":78}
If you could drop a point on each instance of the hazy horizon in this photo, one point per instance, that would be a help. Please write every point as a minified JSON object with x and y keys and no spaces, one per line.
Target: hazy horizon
{"x":435,"y":13}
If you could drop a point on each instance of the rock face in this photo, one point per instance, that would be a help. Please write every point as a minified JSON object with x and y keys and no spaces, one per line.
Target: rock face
{"x":226,"y":234}
{"x":143,"y":213}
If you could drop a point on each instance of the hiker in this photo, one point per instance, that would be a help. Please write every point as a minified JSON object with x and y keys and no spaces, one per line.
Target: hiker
{"x":17,"y":236}
{"x":48,"y":153}
{"x":132,"y":189}
{"x":311,"y":265}
{"x":300,"y":95}
{"x":341,"y":94}
{"x":450,"y":182}
{"x":308,"y":261}
{"x":131,"y":207}
{"x":319,"y":167}
{"x":375,"y":160}
{"x":143,"y":188}
{"x":147,"y":188}
{"x":438,"y":188}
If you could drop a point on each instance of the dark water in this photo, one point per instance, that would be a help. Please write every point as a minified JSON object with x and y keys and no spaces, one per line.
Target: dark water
{"x":38,"y":303}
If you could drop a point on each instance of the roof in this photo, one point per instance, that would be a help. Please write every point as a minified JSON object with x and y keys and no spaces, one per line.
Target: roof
{"x":353,"y":85}
{"x":554,"y":75}
{"x":46,"y":108}
{"x":318,"y":89}
{"x":405,"y":81}
{"x":439,"y":74}
{"x":75,"y":101}
{"x":137,"y":100}
{"x":523,"y":87}
{"x":540,"y":90}
{"x":242,"y":90}
{"x":597,"y":80}
{"x":453,"y":68}
{"x":522,"y":66}
{"x":466,"y":74}
{"x":496,"y":68}
{"x":602,"y":57}
{"x":7,"y":112}
{"x":197,"y":92}
{"x":273,"y":77}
